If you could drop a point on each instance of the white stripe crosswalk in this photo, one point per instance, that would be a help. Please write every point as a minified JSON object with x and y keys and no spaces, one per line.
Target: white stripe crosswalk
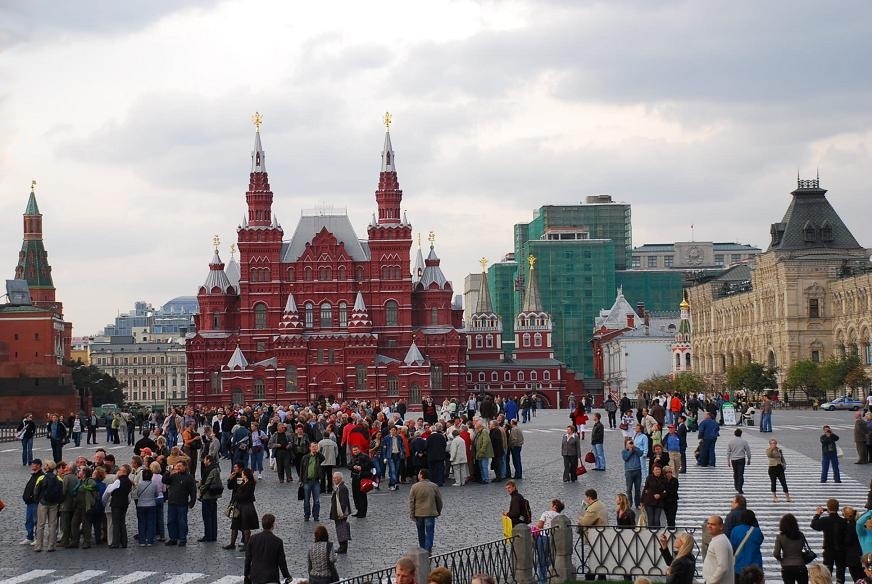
{"x":80,"y":577}
{"x":707,"y":491}
{"x":27,"y":576}
{"x":131,"y":578}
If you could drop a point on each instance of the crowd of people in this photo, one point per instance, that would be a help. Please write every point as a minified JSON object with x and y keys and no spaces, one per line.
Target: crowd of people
{"x":176,"y":464}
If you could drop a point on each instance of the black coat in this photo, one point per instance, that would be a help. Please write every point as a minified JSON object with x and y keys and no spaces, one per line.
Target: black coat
{"x":436,"y":445}
{"x":264,"y":557}
{"x":496,"y":438}
{"x":681,"y":571}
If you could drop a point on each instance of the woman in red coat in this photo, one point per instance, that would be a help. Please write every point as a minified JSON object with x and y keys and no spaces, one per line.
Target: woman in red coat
{"x":579,"y":417}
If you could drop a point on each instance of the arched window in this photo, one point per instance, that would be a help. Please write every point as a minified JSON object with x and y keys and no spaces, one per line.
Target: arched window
{"x":391,"y":312}
{"x":216,"y":320}
{"x":325,"y":274}
{"x":341,"y":273}
{"x":546,"y":376}
{"x":533,"y":376}
{"x":537,"y":340}
{"x":307,"y":273}
{"x":481,"y":375}
{"x":678,"y":360}
{"x":489,"y":341}
{"x":687,"y":360}
{"x":360,"y":376}
{"x":520,"y":376}
{"x":507,"y":376}
{"x":494,"y":376}
{"x":258,"y":389}
{"x":393,"y":385}
{"x":291,"y":378}
{"x":435,"y":376}
{"x":237,"y":396}
{"x":309,"y":312}
{"x":343,"y":314}
{"x":326,"y":315}
{"x":526,"y":340}
{"x":478,"y":341}
{"x":358,"y":274}
{"x":434,"y":315}
{"x":260,"y":316}
{"x":292,"y":275}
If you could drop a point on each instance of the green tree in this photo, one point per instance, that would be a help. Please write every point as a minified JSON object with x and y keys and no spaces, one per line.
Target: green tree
{"x":753,"y":377}
{"x":103,"y":388}
{"x":803,"y":375}
{"x":857,"y":379}
{"x":689,"y":382}
{"x":834,"y":373}
{"x":656,"y":384}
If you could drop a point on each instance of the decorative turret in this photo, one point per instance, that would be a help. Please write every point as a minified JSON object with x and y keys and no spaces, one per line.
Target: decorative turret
{"x":418,"y":269}
{"x":388,"y":196}
{"x":432,"y":273}
{"x":232,"y":269}
{"x":484,"y":338}
{"x":291,"y":316}
{"x":259,"y":196}
{"x":237,"y":360}
{"x":360,"y":321}
{"x":414,"y":356}
{"x":681,"y":347}
{"x":33,"y":263}
{"x":216,"y":280}
{"x":533,"y":325}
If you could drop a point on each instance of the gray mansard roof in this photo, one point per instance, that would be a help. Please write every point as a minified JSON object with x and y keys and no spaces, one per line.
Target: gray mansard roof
{"x":339,"y":225}
{"x":811,"y":223}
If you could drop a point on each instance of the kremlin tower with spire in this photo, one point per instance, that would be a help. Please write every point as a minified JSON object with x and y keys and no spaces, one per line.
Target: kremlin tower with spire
{"x":324,"y":313}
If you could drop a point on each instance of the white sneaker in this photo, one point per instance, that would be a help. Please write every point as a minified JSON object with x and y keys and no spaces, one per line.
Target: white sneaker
{"x":25,"y":542}
{"x":33,"y":542}
{"x":259,"y":476}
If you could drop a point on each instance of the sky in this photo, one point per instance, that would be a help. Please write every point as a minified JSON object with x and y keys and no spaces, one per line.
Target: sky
{"x":134,"y":118}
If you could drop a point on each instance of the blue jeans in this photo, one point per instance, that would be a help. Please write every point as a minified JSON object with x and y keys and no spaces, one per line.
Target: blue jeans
{"x":77,"y":438}
{"x":516,"y":461}
{"x":426,"y":526}
{"x":707,"y":452}
{"x":177,"y":522}
{"x":240,"y":457}
{"x":257,"y":460}
{"x":210,"y":519}
{"x":830,"y":458}
{"x":600,"y":454}
{"x":26,"y":451}
{"x":146,"y":520}
{"x":766,"y":422}
{"x":634,"y":485}
{"x":543,"y":557}
{"x":484,"y":469}
{"x":393,"y":470}
{"x":30,"y":520}
{"x":378,"y":466}
{"x":160,"y":524}
{"x":312,"y":489}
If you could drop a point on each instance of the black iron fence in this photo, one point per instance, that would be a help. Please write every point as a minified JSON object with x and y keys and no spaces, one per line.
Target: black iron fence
{"x":384,"y":576}
{"x":624,"y":551}
{"x":8,"y":432}
{"x":496,"y":558}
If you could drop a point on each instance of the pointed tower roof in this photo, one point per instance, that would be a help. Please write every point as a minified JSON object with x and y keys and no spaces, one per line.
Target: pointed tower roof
{"x":359,"y":304}
{"x":291,"y":316}
{"x":684,"y":324}
{"x":414,"y":356}
{"x":432,"y":270}
{"x":615,"y":318}
{"x":232,"y":269}
{"x":290,"y":305}
{"x":237,"y":360}
{"x":259,"y":196}
{"x":532,"y":302}
{"x":485,"y":305}
{"x":387,"y":155}
{"x":388,"y":196}
{"x":418,"y":269}
{"x":33,"y":263}
{"x":32,"y":207}
{"x":360,"y":321}
{"x":216,"y":278}
{"x":258,"y":156}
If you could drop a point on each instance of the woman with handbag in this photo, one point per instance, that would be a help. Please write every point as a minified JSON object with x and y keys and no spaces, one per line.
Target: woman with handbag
{"x":242,"y":514}
{"x":322,"y":559}
{"x":777,"y":465}
{"x":789,"y":544}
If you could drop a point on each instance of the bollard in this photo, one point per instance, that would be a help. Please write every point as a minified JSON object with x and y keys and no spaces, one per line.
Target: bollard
{"x":522,"y":546}
{"x":563,"y":550}
{"x":421,"y":557}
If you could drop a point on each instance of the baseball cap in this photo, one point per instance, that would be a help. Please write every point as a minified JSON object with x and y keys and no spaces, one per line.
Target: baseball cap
{"x":36,"y":461}
{"x":867,"y":561}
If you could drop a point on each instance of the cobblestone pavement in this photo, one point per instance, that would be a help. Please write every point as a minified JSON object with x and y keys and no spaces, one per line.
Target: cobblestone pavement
{"x":471,"y":514}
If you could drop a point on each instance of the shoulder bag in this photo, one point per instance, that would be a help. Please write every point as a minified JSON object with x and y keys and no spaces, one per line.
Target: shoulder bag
{"x":743,"y":542}
{"x":808,"y":554}
{"x":232,"y":511}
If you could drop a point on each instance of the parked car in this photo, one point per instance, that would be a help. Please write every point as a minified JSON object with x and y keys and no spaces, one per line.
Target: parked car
{"x":843,"y":403}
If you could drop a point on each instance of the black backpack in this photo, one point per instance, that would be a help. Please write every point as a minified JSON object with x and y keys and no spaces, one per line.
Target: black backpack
{"x":526,"y":513}
{"x":54,"y":490}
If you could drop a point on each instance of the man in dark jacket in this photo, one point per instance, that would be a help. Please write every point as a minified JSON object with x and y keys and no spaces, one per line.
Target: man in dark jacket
{"x":361,"y":468}
{"x":835,"y":530}
{"x":57,"y":435}
{"x":29,"y":498}
{"x":265,"y":555}
{"x":340,"y":511}
{"x":861,"y":433}
{"x":436,"y":449}
{"x":597,"y":438}
{"x":181,"y":496}
{"x":499,"y":460}
{"x":310,"y":474}
{"x":25,"y":432}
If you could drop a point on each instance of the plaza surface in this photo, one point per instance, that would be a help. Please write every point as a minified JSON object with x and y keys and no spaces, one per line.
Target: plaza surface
{"x":471,"y":514}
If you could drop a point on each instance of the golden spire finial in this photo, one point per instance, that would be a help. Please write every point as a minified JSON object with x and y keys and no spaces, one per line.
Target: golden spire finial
{"x":431,"y":237}
{"x":33,"y":186}
{"x":531,"y":259}
{"x":216,"y":241}
{"x":387,"y":121}
{"x":232,"y":250}
{"x":483,"y":262}
{"x":257,"y":120}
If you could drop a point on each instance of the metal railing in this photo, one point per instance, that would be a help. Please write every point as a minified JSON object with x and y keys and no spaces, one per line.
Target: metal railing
{"x":8,"y":432}
{"x":383,"y":576}
{"x":624,"y":551}
{"x":496,"y":558}
{"x":544,"y":552}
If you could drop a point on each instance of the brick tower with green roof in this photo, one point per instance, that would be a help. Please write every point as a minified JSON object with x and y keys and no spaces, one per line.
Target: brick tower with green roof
{"x":33,"y":259}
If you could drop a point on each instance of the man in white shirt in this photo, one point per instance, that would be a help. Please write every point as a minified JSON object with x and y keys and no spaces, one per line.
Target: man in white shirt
{"x":719,"y":564}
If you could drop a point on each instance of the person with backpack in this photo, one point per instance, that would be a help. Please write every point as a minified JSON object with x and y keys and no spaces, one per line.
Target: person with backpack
{"x":84,"y":501}
{"x":519,"y":507}
{"x":49,"y":493}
